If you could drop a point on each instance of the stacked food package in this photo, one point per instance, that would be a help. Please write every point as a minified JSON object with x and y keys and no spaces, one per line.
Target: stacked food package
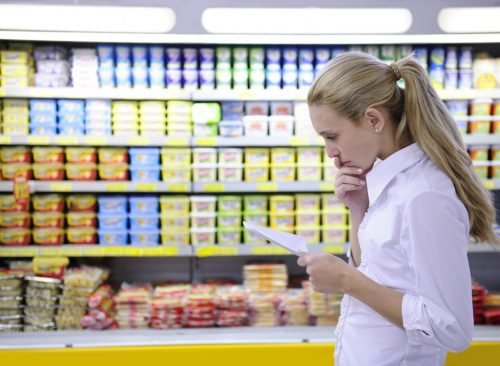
{"x":323,"y":308}
{"x":11,"y":291}
{"x":133,"y":305}
{"x":292,"y":306}
{"x":231,"y":306}
{"x":167,"y":306}
{"x":101,"y":310}
{"x":200,"y":306}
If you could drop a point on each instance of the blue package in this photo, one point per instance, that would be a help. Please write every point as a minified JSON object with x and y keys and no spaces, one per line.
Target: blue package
{"x":43,"y":105}
{"x":144,"y":156}
{"x":465,"y":59}
{"x":173,"y":58}
{"x":112,"y":204}
{"x":174,"y":78}
{"x":190,"y":79}
{"x":71,"y":118}
{"x":306,"y":58}
{"x":465,"y":79}
{"x":144,"y":237}
{"x":156,"y":55}
{"x":106,"y":53}
{"x":207,"y":79}
{"x":70,"y":105}
{"x":42,"y":130}
{"x":144,"y":204}
{"x":450,"y":79}
{"x":451,"y":58}
{"x":140,"y":56}
{"x":112,"y":237}
{"x":113,"y":221}
{"x":322,"y":55}
{"x":273,"y":58}
{"x":437,"y":56}
{"x":144,"y":221}
{"x":43,"y":118}
{"x":338,"y":50}
{"x":207,"y":58}
{"x":273,"y":79}
{"x":96,"y":131}
{"x":190,"y":58}
{"x":122,"y":53}
{"x":290,"y":79}
{"x":290,"y":57}
{"x":123,"y":76}
{"x":156,"y":77}
{"x":306,"y":78}
{"x":144,"y":173}
{"x":140,"y":76}
{"x":106,"y":76}
{"x":232,"y":110}
{"x":72,"y":130}
{"x":421,"y":55}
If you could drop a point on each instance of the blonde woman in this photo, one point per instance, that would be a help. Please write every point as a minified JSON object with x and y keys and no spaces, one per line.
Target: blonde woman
{"x":407,"y":285}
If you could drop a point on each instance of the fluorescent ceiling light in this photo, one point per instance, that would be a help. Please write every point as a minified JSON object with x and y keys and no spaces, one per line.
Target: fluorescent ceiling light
{"x":306,"y":20}
{"x":77,"y":18}
{"x":470,"y":20}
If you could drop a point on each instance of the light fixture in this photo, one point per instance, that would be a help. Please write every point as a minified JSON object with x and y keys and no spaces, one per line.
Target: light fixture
{"x":77,"y":18}
{"x":306,"y":20}
{"x":470,"y":20}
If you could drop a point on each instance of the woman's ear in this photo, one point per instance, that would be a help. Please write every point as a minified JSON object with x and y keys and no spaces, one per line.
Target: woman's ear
{"x":375,"y":119}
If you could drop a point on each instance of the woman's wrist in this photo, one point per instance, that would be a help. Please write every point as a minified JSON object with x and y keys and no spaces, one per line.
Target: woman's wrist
{"x":349,"y":280}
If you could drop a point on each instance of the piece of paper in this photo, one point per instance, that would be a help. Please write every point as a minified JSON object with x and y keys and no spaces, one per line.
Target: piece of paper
{"x":293,"y":243}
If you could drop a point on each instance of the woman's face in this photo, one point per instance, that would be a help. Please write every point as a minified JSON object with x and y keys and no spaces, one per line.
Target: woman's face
{"x":354,"y":144}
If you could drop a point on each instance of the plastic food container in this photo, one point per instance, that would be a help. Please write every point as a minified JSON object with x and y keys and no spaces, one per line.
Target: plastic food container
{"x":257,"y":108}
{"x":229,"y":220}
{"x":178,"y":205}
{"x":48,"y":219}
{"x":231,"y":128}
{"x":41,"y":130}
{"x":255,"y":203}
{"x":229,"y":236}
{"x":48,"y":155}
{"x":283,"y":155}
{"x":144,"y":221}
{"x":495,"y":153}
{"x":85,"y":172}
{"x":84,"y":236}
{"x":308,"y":202}
{"x":329,"y":172}
{"x":81,"y":219}
{"x":43,"y":171}
{"x":176,"y":173}
{"x":281,"y":108}
{"x":282,"y":203}
{"x":15,"y":237}
{"x":69,"y":130}
{"x":14,"y":219}
{"x":481,"y":107}
{"x":175,"y":222}
{"x":112,"y":221}
{"x":81,"y":202}
{"x":48,"y":203}
{"x":256,"y":173}
{"x":495,"y":170}
{"x":309,"y":155}
{"x":457,"y":108}
{"x":481,"y":168}
{"x":203,"y":204}
{"x":81,"y":155}
{"x":9,"y":204}
{"x":118,"y":172}
{"x":179,"y":237}
{"x":112,"y":237}
{"x":112,"y":204}
{"x":210,"y":129}
{"x":48,"y":236}
{"x":334,"y":235}
{"x":204,"y":156}
{"x":257,"y":156}
{"x":176,"y":156}
{"x":284,"y":221}
{"x":230,"y":204}
{"x":307,"y":219}
{"x":202,"y":236}
{"x":144,"y":173}
{"x":478,"y":152}
{"x":10,"y":155}
{"x":311,"y":234}
{"x":338,"y":218}
{"x":206,"y":112}
{"x":144,"y":237}
{"x":11,"y":171}
{"x":143,"y":204}
{"x":283,"y":172}
{"x":281,"y":125}
{"x":230,"y":172}
{"x":230,"y":156}
{"x":309,"y":172}
{"x":331,"y":203}
{"x":256,"y":125}
{"x":256,"y":218}
{"x":144,"y":156}
{"x":249,"y":237}
{"x":203,"y":220}
{"x":113,"y":155}
{"x":204,"y":172}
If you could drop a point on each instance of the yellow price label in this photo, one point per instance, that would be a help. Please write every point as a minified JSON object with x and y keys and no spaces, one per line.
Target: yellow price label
{"x":2,"y":92}
{"x":52,"y":251}
{"x":61,"y":187}
{"x":67,"y":140}
{"x":326,"y":187}
{"x":138,"y":141}
{"x":38,"y":140}
{"x":177,"y":141}
{"x":161,"y":251}
{"x":95,"y":141}
{"x":178,"y":187}
{"x":489,"y":184}
{"x":298,"y":141}
{"x":334,"y":249}
{"x":133,"y":252}
{"x":18,"y":252}
{"x":206,"y":141}
{"x":95,"y":251}
{"x":267,"y":187}
{"x":215,"y":251}
{"x":247,"y":94}
{"x":146,"y":187}
{"x":268,"y":250}
{"x":5,"y":140}
{"x":116,"y":187}
{"x":214,"y":187}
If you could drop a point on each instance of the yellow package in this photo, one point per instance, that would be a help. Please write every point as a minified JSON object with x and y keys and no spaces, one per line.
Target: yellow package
{"x":174,"y":205}
{"x":14,"y":130}
{"x":15,"y":117}
{"x":176,"y":173}
{"x":256,"y":173}
{"x":50,"y":266}
{"x":13,"y":105}
{"x":177,"y":237}
{"x":283,"y":155}
{"x":283,"y":172}
{"x":257,"y":156}
{"x":14,"y":57}
{"x":14,"y":70}
{"x":125,"y":107}
{"x":14,"y":81}
{"x":282,"y":203}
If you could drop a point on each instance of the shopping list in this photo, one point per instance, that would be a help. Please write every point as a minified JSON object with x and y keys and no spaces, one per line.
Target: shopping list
{"x":293,"y":243}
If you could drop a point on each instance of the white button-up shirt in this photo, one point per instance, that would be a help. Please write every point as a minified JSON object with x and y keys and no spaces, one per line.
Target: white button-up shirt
{"x":413,"y":239}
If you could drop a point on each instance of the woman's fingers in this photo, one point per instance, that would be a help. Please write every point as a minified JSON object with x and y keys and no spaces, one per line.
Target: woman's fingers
{"x":348,"y":179}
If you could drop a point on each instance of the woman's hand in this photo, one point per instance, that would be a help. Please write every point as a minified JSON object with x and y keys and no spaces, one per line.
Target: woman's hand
{"x":327,"y":272}
{"x":350,"y":187}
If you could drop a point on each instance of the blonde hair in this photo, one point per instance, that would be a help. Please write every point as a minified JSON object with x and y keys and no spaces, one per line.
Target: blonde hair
{"x":354,"y":81}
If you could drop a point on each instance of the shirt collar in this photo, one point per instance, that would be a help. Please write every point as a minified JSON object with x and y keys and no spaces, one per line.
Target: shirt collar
{"x":385,"y":170}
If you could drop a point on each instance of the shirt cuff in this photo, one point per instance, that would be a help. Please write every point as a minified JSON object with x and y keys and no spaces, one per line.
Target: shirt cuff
{"x":413,"y":322}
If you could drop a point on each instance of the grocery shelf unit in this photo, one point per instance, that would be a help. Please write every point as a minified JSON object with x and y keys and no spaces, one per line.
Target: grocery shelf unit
{"x":270,"y":346}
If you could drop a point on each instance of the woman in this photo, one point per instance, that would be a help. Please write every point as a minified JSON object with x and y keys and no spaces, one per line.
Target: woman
{"x":407,"y":285}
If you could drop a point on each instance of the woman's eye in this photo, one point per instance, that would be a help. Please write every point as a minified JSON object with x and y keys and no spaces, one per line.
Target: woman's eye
{"x":331,"y":138}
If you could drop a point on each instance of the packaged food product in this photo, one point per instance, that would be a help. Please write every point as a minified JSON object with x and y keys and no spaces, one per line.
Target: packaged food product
{"x":257,"y":108}
{"x":146,"y":173}
{"x":124,"y":107}
{"x":10,"y":302}
{"x":281,"y":125}
{"x":228,"y":236}
{"x":283,"y":155}
{"x":284,"y":221}
{"x":256,"y":217}
{"x":143,"y":221}
{"x":478,"y":152}
{"x":257,"y":156}
{"x":308,"y":202}
{"x":81,"y":235}
{"x":282,"y":203}
{"x":144,"y":237}
{"x":9,"y":204}
{"x":204,"y":155}
{"x":112,"y":221}
{"x":229,"y":219}
{"x":176,"y":173}
{"x":230,"y":156}
{"x":177,"y":237}
{"x":334,"y":218}
{"x":255,"y":203}
{"x":85,"y":172}
{"x":479,"y":126}
{"x":143,"y":204}
{"x":329,"y":172}
{"x":309,"y":172}
{"x":230,"y":204}
{"x":329,"y":202}
{"x":230,"y":172}
{"x":113,"y":155}
{"x":81,"y":219}
{"x":174,"y":222}
{"x":203,"y":203}
{"x":174,"y":204}
{"x":14,"y":219}
{"x":256,"y":173}
{"x":181,"y":156}
{"x":81,"y":202}
{"x":15,"y":236}
{"x":81,"y":155}
{"x":282,"y":172}
{"x":18,"y":154}
{"x":256,"y":125}
{"x":281,"y":109}
{"x":495,"y":170}
{"x":334,"y":235}
{"x":11,"y":171}
{"x":112,"y":204}
{"x":252,"y":238}
{"x":210,"y":129}
{"x":206,"y":112}
{"x":311,"y":234}
{"x":204,"y":172}
{"x":48,"y":155}
{"x":42,"y":171}
{"x":482,"y":168}
{"x":309,"y":155}
{"x":48,"y":219}
{"x":231,"y":128}
{"x":481,"y":107}
{"x":483,"y":70}
{"x":144,"y":156}
{"x":48,"y":202}
{"x":112,"y":237}
{"x":48,"y":236}
{"x":117,"y":172}
{"x":203,"y":220}
{"x":307,"y":219}
{"x":10,"y":280}
{"x":202,"y":236}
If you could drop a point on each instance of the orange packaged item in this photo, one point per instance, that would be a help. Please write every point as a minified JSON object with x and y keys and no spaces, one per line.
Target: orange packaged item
{"x":43,"y":171}
{"x":113,"y":155}
{"x":81,"y":154}
{"x":11,"y":171}
{"x":81,"y":171}
{"x":81,"y":202}
{"x":81,"y":219}
{"x":48,"y":203}
{"x":15,"y":237}
{"x":78,"y":235}
{"x":113,"y":172}
{"x":18,"y":154}
{"x":48,"y":236}
{"x":47,"y":219}
{"x":14,"y":220}
{"x":48,"y":155}
{"x":9,"y":204}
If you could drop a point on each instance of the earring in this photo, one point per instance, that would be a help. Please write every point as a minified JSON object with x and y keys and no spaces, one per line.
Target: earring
{"x":376,"y":130}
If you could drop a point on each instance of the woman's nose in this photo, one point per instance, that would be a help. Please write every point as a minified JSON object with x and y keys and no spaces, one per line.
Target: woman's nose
{"x":332,"y":153}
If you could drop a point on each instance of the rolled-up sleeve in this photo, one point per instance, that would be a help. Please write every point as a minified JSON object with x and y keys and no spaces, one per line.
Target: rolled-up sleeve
{"x":435,"y":236}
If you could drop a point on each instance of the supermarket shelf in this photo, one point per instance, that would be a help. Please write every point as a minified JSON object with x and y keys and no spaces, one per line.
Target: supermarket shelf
{"x":101,"y":186}
{"x":469,"y":94}
{"x":250,"y":95}
{"x":270,"y":141}
{"x":37,"y":140}
{"x":96,"y":251}
{"x":262,"y":187}
{"x":481,"y":139}
{"x":250,"y":250}
{"x":96,"y":93}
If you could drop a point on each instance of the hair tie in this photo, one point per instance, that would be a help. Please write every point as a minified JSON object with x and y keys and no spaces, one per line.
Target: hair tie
{"x":395,"y":69}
